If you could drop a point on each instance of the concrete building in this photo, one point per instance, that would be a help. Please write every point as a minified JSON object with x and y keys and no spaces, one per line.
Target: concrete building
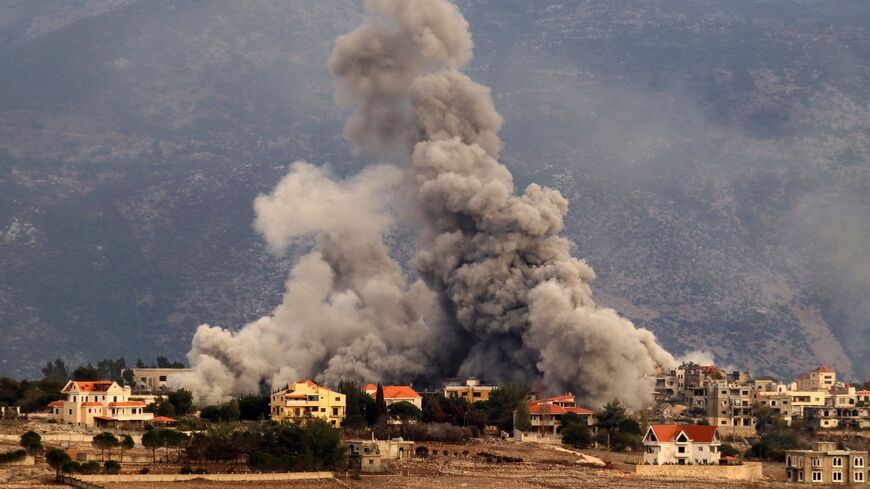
{"x":153,"y":380}
{"x":303,"y":400}
{"x":820,"y":379}
{"x":397,"y":393}
{"x":470,"y":389}
{"x":825,"y":464}
{"x":546,"y":415}
{"x":677,"y":444}
{"x":730,"y":407}
{"x":829,"y":417}
{"x":97,"y":402}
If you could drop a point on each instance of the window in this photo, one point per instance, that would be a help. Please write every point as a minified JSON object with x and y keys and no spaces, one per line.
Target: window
{"x":817,"y":476}
{"x":788,"y":461}
{"x":859,"y":476}
{"x":859,"y":461}
{"x":162,"y":378}
{"x":800,"y":476}
{"x":837,"y":476}
{"x":817,"y":462}
{"x":681,"y":449}
{"x":700,"y":449}
{"x":838,"y":462}
{"x":650,"y":450}
{"x":335,"y":411}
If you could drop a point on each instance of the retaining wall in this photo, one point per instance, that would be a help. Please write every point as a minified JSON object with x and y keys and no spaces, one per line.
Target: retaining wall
{"x":288,"y":476}
{"x":747,"y":471}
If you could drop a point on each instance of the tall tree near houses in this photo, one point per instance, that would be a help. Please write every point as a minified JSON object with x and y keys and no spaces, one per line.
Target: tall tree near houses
{"x":381,"y":403}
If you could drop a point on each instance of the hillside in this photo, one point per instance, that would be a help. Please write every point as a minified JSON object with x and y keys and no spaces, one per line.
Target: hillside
{"x":715,"y":156}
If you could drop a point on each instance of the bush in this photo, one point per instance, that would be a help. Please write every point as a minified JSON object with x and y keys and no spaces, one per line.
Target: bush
{"x":144,"y":471}
{"x":71,"y":467}
{"x":13,"y":456}
{"x":354,"y":475}
{"x":112,"y":467}
{"x":773,"y":445}
{"x":577,"y":435}
{"x":421,"y":452}
{"x":186,"y":470}
{"x":89,"y":468}
{"x":200,"y":470}
{"x":728,"y":450}
{"x":440,"y":432}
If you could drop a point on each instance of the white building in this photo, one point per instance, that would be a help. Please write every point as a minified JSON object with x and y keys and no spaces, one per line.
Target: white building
{"x":97,"y":402}
{"x":681,"y":444}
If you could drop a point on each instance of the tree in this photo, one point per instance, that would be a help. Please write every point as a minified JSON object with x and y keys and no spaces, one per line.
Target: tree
{"x":524,"y":419}
{"x":86,"y":372}
{"x":56,"y":459}
{"x":175,"y":439}
{"x":163,"y":362}
{"x":127,"y":443}
{"x":55,"y":370}
{"x":254,"y":408}
{"x":109,"y":369}
{"x":32,"y":442}
{"x":182,"y":399}
{"x":502,"y":403}
{"x":768,"y":419}
{"x":152,"y":440}
{"x":577,"y":435}
{"x":112,"y":467}
{"x":380,"y":403}
{"x":773,"y":444}
{"x":728,"y":450}
{"x":406,"y":413}
{"x":105,"y":441}
{"x":615,"y":428}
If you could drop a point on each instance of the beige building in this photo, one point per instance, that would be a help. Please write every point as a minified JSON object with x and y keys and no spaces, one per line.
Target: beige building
{"x":97,"y":402}
{"x":397,"y":393}
{"x":546,"y":415}
{"x":824,"y":464}
{"x":730,"y":407}
{"x":471,"y":390}
{"x":677,"y":444}
{"x":820,"y":379}
{"x":153,"y":380}
{"x":304,"y":400}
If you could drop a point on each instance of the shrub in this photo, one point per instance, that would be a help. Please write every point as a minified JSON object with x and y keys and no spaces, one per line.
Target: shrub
{"x":13,"y":456}
{"x":439,"y":432}
{"x":144,"y":471}
{"x":112,"y":467}
{"x":186,"y":470}
{"x":354,"y":475}
{"x":92,"y":467}
{"x":421,"y":452}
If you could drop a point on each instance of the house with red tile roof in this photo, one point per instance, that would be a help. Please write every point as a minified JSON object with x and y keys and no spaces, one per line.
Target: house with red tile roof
{"x":89,"y":403}
{"x":397,"y":393}
{"x":822,"y":378}
{"x":681,"y":444}
{"x":546,"y":416}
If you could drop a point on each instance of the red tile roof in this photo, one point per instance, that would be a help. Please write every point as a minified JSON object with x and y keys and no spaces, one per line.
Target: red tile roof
{"x":824,"y":368}
{"x":127,"y":404}
{"x":92,"y":404}
{"x":393,"y":391}
{"x":90,"y":386}
{"x":163,"y":419}
{"x":697,"y":433}
{"x":307,"y":382}
{"x":55,"y":404}
{"x":555,"y":409}
{"x":104,"y":418}
{"x":568,"y":398}
{"x":863,"y":393}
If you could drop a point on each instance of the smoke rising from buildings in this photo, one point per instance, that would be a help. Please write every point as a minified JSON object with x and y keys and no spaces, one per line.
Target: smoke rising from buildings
{"x":499,"y":294}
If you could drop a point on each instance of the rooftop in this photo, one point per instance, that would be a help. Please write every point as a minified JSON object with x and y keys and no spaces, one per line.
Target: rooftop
{"x":696,"y":433}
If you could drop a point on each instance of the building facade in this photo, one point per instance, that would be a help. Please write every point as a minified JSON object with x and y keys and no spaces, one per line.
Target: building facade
{"x":545,"y":415}
{"x":470,"y":389}
{"x":304,"y":400}
{"x":825,"y":464}
{"x":153,"y":380}
{"x":97,"y":402}
{"x":820,"y":379}
{"x":677,"y":444}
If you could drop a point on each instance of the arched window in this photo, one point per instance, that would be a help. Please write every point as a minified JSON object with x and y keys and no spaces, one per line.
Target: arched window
{"x":859,"y":461}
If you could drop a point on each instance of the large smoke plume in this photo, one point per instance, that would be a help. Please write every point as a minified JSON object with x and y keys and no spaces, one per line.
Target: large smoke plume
{"x":499,"y":294}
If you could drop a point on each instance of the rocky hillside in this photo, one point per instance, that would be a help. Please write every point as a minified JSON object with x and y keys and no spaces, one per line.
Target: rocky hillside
{"x":715,"y":155}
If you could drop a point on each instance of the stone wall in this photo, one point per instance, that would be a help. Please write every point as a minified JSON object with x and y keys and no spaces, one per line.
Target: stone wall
{"x":747,"y":471}
{"x":96,"y":479}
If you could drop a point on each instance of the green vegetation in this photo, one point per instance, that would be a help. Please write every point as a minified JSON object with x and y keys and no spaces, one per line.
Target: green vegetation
{"x":57,"y":459}
{"x":616,"y":429}
{"x":112,"y":467}
{"x":499,"y":409}
{"x":32,"y":442}
{"x":271,"y":447}
{"x":773,"y":444}
{"x":458,"y":412}
{"x":105,"y":441}
{"x":13,"y":456}
{"x":225,"y":412}
{"x":575,"y":430}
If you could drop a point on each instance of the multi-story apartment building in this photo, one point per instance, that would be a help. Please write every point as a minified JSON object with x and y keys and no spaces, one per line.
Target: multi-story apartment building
{"x":825,"y":464}
{"x":730,"y":407}
{"x":829,"y":417}
{"x":677,"y":444}
{"x":397,"y":393}
{"x":469,"y":389}
{"x":304,"y":400}
{"x":862,"y":398}
{"x":820,"y":379}
{"x":97,"y":402}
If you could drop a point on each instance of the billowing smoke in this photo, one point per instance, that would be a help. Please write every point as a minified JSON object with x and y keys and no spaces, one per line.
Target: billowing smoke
{"x":499,"y":294}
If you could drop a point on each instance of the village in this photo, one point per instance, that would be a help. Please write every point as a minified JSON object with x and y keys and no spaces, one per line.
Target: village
{"x":705,"y":427}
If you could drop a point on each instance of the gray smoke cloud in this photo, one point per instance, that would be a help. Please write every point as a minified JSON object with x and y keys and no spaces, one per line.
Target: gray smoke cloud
{"x":499,"y":294}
